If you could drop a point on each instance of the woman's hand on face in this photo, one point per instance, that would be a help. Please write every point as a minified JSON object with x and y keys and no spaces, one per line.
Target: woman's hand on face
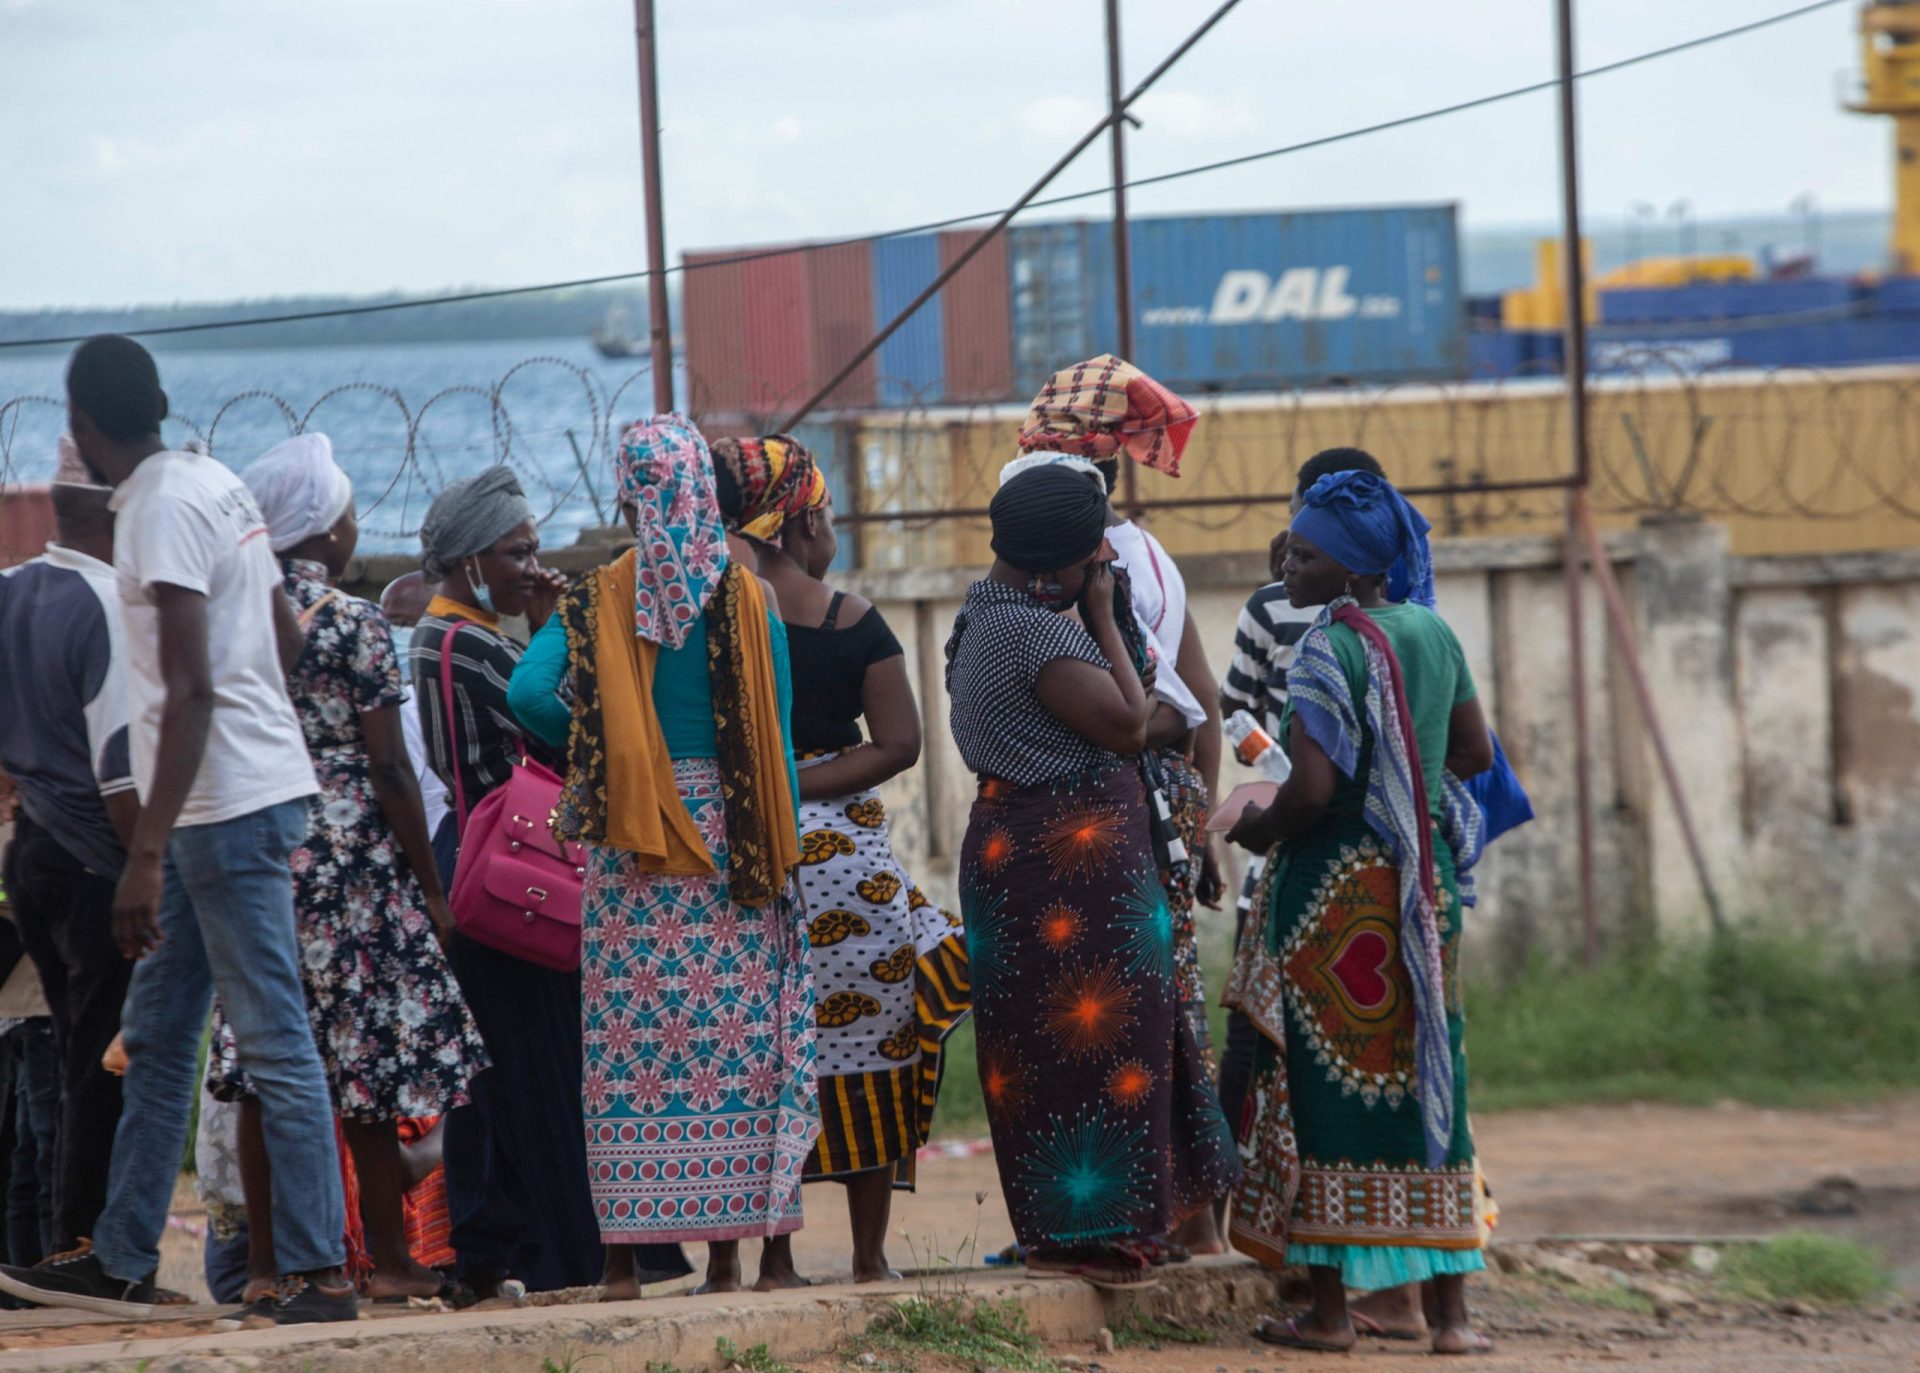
{"x":1096,"y":597}
{"x":549,"y":584}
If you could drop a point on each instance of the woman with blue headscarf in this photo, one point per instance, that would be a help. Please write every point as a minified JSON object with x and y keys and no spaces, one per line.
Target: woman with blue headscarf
{"x":1361,"y":1161}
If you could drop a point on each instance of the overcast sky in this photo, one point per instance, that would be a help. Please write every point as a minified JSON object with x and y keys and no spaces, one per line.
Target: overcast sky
{"x":158,"y":150}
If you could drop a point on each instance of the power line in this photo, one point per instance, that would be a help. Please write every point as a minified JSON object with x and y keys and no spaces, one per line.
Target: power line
{"x":1480,"y":102}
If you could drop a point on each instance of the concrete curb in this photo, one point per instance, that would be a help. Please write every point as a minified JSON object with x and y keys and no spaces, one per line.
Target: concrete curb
{"x":618,"y":1337}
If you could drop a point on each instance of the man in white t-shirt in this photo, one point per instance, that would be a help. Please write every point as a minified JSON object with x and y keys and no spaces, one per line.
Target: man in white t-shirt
{"x":205,"y":900}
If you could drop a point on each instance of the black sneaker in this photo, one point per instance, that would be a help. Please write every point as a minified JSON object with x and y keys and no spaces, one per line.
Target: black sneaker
{"x":75,"y":1279}
{"x":299,"y":1300}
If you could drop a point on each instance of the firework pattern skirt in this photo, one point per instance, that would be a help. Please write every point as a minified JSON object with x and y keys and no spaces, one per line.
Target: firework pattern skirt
{"x":1106,"y":1125}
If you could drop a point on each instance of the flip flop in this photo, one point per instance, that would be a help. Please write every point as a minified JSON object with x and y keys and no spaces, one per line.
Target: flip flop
{"x":1287,"y":1335}
{"x":1111,"y":1275}
{"x":1481,"y":1345}
{"x":1372,"y":1329}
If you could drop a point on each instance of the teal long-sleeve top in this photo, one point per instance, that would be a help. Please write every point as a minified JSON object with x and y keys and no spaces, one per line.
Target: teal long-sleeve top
{"x":682,"y":693}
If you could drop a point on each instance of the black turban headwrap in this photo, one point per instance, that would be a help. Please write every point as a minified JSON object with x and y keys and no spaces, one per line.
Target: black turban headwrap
{"x":1049,"y":518}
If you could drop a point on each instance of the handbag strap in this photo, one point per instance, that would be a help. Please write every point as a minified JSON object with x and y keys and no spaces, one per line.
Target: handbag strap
{"x":453,"y":732}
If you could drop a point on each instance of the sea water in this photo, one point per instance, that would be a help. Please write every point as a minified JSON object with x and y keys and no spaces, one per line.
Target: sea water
{"x":404,"y":418}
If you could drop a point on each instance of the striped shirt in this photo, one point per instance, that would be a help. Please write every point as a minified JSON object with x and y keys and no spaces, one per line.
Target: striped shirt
{"x":486,"y":739}
{"x":1264,"y":643}
{"x":1263,"y":647}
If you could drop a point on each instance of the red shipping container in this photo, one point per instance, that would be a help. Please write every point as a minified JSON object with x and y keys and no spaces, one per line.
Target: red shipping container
{"x":840,"y":299}
{"x":977,"y":320}
{"x":713,"y":306}
{"x":779,"y":332}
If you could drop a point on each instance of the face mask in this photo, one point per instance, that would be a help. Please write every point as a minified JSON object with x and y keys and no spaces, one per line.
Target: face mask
{"x":482,"y":594}
{"x":403,"y":644}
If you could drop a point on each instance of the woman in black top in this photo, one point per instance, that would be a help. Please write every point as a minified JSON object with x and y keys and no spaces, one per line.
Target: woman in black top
{"x":889,"y":967}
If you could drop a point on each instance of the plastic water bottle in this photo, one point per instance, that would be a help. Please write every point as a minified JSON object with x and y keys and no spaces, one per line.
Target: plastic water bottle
{"x":1254,"y":747}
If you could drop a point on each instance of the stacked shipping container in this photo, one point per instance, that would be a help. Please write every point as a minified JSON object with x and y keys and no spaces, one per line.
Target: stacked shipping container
{"x":1221,"y":302}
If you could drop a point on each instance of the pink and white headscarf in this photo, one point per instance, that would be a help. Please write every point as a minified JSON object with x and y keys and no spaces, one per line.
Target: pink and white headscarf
{"x":666,"y":474}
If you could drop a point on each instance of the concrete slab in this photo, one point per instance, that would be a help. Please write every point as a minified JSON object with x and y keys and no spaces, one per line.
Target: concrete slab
{"x":615,"y":1337}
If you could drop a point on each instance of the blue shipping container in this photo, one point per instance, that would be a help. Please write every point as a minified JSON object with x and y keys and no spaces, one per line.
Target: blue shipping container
{"x":912,"y":364}
{"x":1249,"y":301}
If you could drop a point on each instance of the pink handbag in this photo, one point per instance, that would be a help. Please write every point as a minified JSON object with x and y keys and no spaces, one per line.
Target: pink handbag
{"x":516,"y":888}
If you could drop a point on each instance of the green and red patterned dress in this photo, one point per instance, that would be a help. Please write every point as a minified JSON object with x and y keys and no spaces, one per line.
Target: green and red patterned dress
{"x":1349,"y":1163}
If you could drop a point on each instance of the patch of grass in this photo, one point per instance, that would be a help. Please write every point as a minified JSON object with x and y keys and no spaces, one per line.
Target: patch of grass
{"x":1136,"y":1329}
{"x":1612,"y":1298}
{"x":1757,"y":1016}
{"x":755,"y":1360}
{"x":1805,"y":1267}
{"x":982,"y":1333}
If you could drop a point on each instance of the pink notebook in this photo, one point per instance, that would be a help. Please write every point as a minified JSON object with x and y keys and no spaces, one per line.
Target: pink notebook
{"x":1227,"y":814}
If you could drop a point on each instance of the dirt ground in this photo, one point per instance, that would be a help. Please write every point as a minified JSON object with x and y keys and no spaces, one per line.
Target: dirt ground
{"x":1631,"y":1173}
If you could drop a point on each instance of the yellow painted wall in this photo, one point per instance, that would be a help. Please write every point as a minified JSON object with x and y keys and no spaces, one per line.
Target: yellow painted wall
{"x":1791,"y":463}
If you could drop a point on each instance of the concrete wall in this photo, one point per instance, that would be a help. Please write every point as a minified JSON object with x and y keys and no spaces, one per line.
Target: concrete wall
{"x":1786,"y":686}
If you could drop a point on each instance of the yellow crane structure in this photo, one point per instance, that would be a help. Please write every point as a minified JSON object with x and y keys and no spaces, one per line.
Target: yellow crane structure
{"x":1890,"y":71}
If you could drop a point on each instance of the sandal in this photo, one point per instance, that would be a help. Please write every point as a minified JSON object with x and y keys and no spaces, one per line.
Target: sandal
{"x":1287,"y":1335}
{"x":1118,"y":1270}
{"x":1372,"y":1329}
{"x":1481,"y":1345}
{"x":1159,"y":1252}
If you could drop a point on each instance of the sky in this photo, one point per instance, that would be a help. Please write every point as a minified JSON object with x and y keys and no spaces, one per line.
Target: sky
{"x":178,"y":150}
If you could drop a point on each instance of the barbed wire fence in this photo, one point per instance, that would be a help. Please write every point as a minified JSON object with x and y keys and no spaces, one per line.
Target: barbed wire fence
{"x":1667,"y":439}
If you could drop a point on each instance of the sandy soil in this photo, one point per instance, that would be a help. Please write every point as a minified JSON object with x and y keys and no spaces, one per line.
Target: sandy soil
{"x":1631,"y":1172}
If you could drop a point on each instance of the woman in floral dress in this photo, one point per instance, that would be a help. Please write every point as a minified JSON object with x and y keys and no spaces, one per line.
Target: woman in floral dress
{"x":392,"y":1029}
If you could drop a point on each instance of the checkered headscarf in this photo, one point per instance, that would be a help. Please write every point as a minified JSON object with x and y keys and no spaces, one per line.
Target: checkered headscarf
{"x":1096,"y":408}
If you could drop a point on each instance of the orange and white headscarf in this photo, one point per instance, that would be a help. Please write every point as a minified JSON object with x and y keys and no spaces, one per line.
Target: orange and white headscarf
{"x":1096,"y":408}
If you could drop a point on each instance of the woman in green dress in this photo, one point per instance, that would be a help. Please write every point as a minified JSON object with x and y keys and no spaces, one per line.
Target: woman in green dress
{"x":1357,"y":1149}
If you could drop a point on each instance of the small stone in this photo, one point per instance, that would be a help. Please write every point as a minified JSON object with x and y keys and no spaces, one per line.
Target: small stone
{"x":1104,"y":1338}
{"x":869,"y":1361}
{"x":1703,"y":1258}
{"x":1794,"y":1307}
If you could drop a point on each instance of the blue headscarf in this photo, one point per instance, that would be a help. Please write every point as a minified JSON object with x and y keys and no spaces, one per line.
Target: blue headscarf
{"x":1363,"y":523}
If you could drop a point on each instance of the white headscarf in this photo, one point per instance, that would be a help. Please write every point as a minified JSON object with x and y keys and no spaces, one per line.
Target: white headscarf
{"x":1026,"y":462}
{"x":301,"y":489}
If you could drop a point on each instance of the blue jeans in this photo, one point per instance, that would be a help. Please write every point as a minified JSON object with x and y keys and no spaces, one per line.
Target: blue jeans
{"x":227,"y":926}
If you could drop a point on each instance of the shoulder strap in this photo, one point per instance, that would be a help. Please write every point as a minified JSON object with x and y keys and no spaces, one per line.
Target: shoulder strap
{"x":833,"y":610}
{"x":453,"y":735}
{"x":1153,"y":561}
{"x":306,"y":616}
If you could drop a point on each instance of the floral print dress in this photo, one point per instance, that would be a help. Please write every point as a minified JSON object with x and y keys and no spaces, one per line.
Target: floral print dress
{"x":391,"y":1025}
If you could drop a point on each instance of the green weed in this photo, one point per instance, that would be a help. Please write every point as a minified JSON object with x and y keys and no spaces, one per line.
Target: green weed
{"x":755,"y":1360}
{"x":983,"y":1333}
{"x":1136,"y":1329}
{"x":1757,"y":1016}
{"x":1613,"y":1298}
{"x":1805,"y":1267}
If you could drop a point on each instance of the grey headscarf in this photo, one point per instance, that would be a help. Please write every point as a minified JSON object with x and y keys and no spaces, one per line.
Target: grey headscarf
{"x":468,"y":516}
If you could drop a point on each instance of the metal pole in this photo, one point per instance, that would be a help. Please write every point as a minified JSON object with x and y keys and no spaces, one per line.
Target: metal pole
{"x":660,"y":324}
{"x":1572,"y":268}
{"x":1574,"y":284}
{"x":1582,"y":741}
{"x":1122,"y":242}
{"x":1085,"y":141}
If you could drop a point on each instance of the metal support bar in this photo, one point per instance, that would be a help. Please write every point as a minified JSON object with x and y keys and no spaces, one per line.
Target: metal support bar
{"x":660,"y":325}
{"x":1582,"y":739}
{"x":1122,"y":240}
{"x":1649,"y":714}
{"x":979,"y":512}
{"x":1085,"y":141}
{"x":1572,"y":268}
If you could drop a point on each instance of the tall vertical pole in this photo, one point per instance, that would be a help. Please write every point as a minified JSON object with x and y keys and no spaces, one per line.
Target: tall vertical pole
{"x":660,"y":325}
{"x":1122,"y":244}
{"x":1573,"y":283}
